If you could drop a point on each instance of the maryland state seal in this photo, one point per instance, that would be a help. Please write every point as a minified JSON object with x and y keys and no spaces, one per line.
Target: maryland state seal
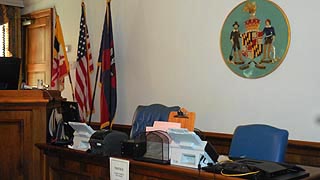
{"x":251,"y":49}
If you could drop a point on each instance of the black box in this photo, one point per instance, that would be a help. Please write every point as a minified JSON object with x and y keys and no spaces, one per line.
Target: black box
{"x":133,"y":149}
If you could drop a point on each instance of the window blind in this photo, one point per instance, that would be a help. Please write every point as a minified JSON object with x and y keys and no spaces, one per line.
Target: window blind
{"x":18,"y":3}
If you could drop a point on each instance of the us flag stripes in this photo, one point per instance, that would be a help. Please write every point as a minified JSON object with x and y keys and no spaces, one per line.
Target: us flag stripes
{"x":84,"y":67}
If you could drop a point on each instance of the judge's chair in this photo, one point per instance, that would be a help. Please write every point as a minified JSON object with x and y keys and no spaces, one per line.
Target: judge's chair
{"x":259,"y":141}
{"x":145,"y":116}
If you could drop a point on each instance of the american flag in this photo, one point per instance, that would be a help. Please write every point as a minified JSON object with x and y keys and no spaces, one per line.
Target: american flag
{"x":84,"y":67}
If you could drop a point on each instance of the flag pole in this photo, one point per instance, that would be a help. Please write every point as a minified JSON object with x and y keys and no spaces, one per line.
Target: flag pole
{"x":94,"y":94}
{"x":72,"y":90}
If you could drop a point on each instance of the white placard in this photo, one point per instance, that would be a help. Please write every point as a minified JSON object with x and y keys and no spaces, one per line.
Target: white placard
{"x":119,"y":169}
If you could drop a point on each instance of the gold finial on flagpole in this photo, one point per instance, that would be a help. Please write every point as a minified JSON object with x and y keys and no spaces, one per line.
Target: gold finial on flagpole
{"x":108,"y":13}
{"x":107,"y":9}
{"x":55,"y":10}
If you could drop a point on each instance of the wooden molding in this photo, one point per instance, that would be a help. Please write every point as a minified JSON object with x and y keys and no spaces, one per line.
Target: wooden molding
{"x":41,"y":13}
{"x":28,"y":96}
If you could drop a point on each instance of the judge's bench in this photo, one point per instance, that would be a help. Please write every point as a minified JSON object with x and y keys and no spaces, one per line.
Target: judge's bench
{"x":25,"y":153}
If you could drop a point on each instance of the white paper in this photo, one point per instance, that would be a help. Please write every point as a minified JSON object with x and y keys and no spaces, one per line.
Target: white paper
{"x":163,"y":126}
{"x":119,"y":169}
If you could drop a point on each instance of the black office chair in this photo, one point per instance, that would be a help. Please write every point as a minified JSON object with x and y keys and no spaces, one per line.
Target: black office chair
{"x":259,"y":141}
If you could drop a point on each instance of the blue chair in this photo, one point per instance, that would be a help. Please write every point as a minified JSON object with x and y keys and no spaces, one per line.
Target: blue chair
{"x":259,"y":141}
{"x":145,"y":116}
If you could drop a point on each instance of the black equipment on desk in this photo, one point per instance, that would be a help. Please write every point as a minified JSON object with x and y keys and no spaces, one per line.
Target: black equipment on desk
{"x":157,"y":148}
{"x":70,"y":113}
{"x":211,"y":151}
{"x":134,"y":147}
{"x":107,"y":142}
{"x":59,"y":131}
{"x":258,"y":170}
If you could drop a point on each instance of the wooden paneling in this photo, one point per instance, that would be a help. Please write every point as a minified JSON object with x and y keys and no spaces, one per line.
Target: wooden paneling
{"x":23,"y":122}
{"x":17,"y":148}
{"x":12,"y":138}
{"x":64,"y":164}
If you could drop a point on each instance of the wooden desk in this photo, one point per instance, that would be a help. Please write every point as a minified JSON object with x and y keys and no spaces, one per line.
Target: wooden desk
{"x":63,"y":163}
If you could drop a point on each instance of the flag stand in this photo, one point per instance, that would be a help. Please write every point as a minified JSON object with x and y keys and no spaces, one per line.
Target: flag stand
{"x":94,"y":94}
{"x":72,"y":90}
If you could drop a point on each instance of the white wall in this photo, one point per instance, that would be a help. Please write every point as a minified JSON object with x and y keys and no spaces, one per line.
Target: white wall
{"x":167,"y":51}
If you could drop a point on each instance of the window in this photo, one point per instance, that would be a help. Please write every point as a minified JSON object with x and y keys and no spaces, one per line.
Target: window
{"x":4,"y":41}
{"x":10,"y":31}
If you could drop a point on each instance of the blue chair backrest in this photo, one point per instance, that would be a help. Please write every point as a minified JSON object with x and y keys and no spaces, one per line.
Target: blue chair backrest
{"x":146,"y":115}
{"x":259,"y":141}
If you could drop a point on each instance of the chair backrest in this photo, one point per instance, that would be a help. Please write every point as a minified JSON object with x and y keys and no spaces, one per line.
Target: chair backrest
{"x":259,"y":141}
{"x":146,"y":115}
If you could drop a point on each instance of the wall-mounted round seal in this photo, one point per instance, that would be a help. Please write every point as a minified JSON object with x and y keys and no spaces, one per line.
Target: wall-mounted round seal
{"x":255,"y":38}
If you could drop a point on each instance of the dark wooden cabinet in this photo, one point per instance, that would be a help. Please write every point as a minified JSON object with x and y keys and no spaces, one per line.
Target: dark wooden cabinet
{"x":60,"y":163}
{"x":15,"y":137}
{"x":23,"y":122}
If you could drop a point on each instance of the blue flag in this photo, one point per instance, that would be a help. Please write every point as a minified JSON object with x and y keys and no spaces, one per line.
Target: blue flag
{"x":108,"y":80}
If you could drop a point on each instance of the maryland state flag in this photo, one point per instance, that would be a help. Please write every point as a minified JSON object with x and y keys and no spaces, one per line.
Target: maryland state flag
{"x":108,"y":101}
{"x":60,"y":63}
